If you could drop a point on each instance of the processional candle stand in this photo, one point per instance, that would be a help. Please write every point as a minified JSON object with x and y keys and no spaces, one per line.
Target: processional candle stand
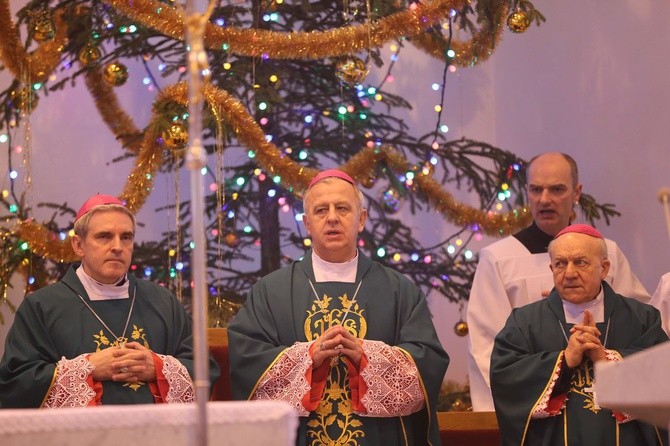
{"x":196,"y":159}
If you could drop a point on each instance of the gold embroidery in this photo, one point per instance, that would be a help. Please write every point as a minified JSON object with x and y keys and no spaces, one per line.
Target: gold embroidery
{"x":138,"y":335}
{"x":582,"y":384}
{"x":334,"y":422}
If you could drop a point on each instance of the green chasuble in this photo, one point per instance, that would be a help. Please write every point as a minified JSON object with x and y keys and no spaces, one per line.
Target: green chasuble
{"x":527,"y":354}
{"x":53,"y":323}
{"x":282,"y":309}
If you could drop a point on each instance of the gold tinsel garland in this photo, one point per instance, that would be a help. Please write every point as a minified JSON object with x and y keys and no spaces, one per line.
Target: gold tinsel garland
{"x":293,"y":45}
{"x":38,"y":65}
{"x":293,"y":175}
{"x":118,"y":121}
{"x":473,"y":51}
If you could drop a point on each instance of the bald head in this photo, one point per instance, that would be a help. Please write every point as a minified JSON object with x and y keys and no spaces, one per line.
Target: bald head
{"x":553,"y":190}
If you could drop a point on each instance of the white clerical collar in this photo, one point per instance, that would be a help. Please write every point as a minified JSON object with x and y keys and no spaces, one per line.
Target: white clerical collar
{"x":334,"y":272}
{"x":574,"y":313}
{"x":102,"y":291}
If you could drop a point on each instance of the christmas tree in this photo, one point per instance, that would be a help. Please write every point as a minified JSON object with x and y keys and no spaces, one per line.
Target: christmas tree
{"x":288,"y":90}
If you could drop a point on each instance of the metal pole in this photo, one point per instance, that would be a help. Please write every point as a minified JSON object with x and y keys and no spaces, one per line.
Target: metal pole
{"x":664,"y":197}
{"x":196,"y":160}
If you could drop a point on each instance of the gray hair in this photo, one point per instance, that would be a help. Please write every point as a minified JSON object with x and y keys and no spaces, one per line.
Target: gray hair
{"x":81,"y":225}
{"x":359,"y":195}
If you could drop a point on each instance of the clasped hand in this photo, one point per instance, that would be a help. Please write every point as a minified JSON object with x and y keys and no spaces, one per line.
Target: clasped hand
{"x":584,"y":340}
{"x":131,"y":363}
{"x":336,"y":341}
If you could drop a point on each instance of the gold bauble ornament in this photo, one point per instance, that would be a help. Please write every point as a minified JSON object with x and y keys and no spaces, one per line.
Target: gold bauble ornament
{"x":42,"y":26}
{"x":175,"y":137}
{"x":461,"y":328}
{"x":369,"y":182}
{"x":89,"y":55}
{"x":518,"y":21}
{"x":24,"y":99}
{"x":351,"y":70}
{"x":231,"y":239}
{"x":115,"y":74}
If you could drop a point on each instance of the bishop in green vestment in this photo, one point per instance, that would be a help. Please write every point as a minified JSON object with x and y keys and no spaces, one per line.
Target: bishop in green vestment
{"x":348,"y":342}
{"x":542,"y":376}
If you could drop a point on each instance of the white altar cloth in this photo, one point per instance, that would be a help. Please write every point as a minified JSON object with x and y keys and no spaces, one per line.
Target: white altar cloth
{"x":238,"y":423}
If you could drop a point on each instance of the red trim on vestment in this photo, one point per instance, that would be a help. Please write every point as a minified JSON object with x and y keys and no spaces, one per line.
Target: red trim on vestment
{"x":161,"y":387}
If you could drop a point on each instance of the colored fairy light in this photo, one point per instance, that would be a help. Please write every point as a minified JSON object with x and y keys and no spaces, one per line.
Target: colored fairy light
{"x":451,"y":249}
{"x":501,"y":196}
{"x":504,"y":186}
{"x":394,"y":57}
{"x":414,"y":257}
{"x":298,"y":217}
{"x":172,"y":252}
{"x":274,"y":16}
{"x":263,"y":121}
{"x":257,"y":171}
{"x":262,"y":106}
{"x":499,"y":207}
{"x":179,"y":266}
{"x":231,"y":214}
{"x":37,"y":86}
{"x":393,"y":47}
{"x":516,"y":167}
{"x":361,"y":243}
{"x":31,"y":280}
{"x":203,"y":171}
{"x":272,"y":193}
{"x":452,"y":68}
{"x":240,"y":181}
{"x":409,"y":175}
{"x":309,"y":119}
{"x":444,"y":128}
{"x":248,"y":229}
{"x":24,"y":246}
{"x":147,"y":272}
{"x":381,"y":252}
{"x":438,"y":108}
{"x":303,"y":155}
{"x":266,"y":17}
{"x":363,"y":116}
{"x":397,"y":257}
{"x":274,"y":78}
{"x":70,"y":232}
{"x":62,"y":236}
{"x":508,"y":193}
{"x":226,"y":65}
{"x":146,"y":80}
{"x":132,"y":28}
{"x":435,"y":86}
{"x":428,"y":259}
{"x":350,"y":109}
{"x":281,"y":201}
{"x":212,"y":187}
{"x":307,"y":242}
{"x":285,"y":208}
{"x":378,"y":97}
{"x":360,"y":93}
{"x":372,"y":90}
{"x":390,"y":79}
{"x":251,"y":154}
{"x":269,"y":138}
{"x":220,"y":21}
{"x":276,"y":179}
{"x":459,"y":242}
{"x":3,"y":137}
{"x":191,"y":244}
{"x":13,"y":174}
{"x":451,"y":53}
{"x":342,"y":110}
{"x":468,"y":254}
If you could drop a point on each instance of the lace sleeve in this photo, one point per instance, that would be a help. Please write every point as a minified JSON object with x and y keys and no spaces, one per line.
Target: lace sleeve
{"x":393,"y":382}
{"x":285,"y":379}
{"x":71,"y":387}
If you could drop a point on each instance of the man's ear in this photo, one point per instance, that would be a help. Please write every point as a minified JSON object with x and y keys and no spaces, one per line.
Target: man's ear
{"x":76,"y":243}
{"x":362,"y":219}
{"x":606,"y":268}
